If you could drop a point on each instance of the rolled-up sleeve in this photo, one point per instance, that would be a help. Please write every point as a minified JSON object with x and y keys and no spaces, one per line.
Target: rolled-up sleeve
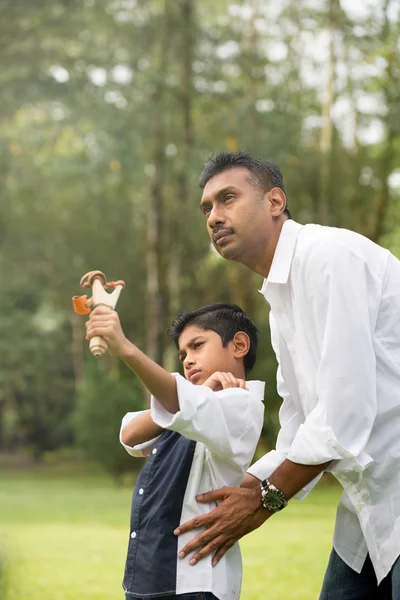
{"x":228,"y":422}
{"x":334,"y":287}
{"x":140,"y":450}
{"x":290,"y":418}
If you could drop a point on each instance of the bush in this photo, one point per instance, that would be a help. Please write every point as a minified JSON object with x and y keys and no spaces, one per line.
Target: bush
{"x":101,"y":403}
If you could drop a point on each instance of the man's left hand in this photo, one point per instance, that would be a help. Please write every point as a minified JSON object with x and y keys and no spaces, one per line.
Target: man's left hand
{"x":240,"y":513}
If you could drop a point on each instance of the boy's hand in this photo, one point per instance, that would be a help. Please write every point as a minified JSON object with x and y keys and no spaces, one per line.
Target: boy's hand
{"x":222,"y":381}
{"x":105,"y":322}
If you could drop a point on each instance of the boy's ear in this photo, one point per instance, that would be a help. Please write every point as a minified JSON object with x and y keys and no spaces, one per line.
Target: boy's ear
{"x":241,"y":344}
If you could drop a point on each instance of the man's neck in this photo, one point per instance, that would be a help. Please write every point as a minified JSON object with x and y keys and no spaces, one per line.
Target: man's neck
{"x":262,"y":261}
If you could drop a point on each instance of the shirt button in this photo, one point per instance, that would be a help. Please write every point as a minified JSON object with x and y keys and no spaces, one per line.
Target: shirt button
{"x":154,"y":451}
{"x":133,"y":535}
{"x":141,"y":491}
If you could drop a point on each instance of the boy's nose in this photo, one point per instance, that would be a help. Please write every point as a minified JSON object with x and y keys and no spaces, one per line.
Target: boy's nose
{"x":188,"y":362}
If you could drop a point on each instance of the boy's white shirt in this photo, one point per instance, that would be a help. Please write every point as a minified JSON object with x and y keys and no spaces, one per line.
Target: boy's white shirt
{"x":227,"y":426}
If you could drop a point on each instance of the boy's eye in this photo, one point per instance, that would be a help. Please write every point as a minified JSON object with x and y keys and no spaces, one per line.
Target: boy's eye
{"x":197,"y":345}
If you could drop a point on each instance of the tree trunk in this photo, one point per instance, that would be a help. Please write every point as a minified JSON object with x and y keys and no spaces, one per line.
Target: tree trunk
{"x":156,"y":262}
{"x":327,"y":125}
{"x":390,"y":90}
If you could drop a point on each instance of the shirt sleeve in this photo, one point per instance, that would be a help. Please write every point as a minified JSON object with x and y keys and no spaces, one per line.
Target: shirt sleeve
{"x":139,"y":450}
{"x":335,"y":288}
{"x":290,"y":418}
{"x":228,"y":422}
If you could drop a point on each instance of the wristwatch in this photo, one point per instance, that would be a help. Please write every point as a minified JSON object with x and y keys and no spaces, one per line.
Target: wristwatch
{"x":271,"y":497}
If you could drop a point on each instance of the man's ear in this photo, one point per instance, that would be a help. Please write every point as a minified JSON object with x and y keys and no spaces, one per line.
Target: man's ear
{"x":241,"y":344}
{"x":277,"y":200}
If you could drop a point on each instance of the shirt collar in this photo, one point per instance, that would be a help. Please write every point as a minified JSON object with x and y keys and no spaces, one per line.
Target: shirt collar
{"x":282,"y":261}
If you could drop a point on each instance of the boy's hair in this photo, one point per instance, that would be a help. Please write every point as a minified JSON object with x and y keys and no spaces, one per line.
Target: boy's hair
{"x":224,"y":319}
{"x":264,"y":174}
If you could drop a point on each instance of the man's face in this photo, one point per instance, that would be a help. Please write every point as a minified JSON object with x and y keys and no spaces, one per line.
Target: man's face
{"x":201,"y":352}
{"x":238,"y":215}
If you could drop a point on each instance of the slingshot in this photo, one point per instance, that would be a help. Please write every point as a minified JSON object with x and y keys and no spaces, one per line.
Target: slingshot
{"x":100,"y":297}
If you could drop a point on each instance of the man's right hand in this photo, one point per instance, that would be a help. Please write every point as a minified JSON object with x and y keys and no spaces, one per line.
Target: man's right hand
{"x":240,"y":513}
{"x":221,"y":381}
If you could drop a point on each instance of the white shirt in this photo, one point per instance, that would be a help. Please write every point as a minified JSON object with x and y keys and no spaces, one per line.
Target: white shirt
{"x":335,"y":328}
{"x":226,"y":426}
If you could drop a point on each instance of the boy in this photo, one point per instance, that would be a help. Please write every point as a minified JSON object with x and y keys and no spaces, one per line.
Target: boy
{"x":200,"y":434}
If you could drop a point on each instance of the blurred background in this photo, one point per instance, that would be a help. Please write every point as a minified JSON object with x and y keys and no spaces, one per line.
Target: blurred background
{"x":108,"y":111}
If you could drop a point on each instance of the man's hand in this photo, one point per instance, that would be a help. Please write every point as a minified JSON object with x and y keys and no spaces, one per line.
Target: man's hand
{"x":221,"y":381}
{"x":240,"y":512}
{"x":104,"y":321}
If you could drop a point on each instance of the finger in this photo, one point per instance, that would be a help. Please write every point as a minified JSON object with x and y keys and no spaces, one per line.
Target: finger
{"x":216,"y":495}
{"x":102,"y":310}
{"x":242,"y":384}
{"x":97,"y":331}
{"x":225,"y":381}
{"x":96,"y":324}
{"x":234,"y":379}
{"x":196,"y":523}
{"x":203,"y":540}
{"x":211,"y":548}
{"x":233,"y":382}
{"x":222,"y":550}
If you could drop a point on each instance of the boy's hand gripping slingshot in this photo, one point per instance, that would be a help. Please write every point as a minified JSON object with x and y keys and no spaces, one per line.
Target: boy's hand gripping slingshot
{"x":99,"y":284}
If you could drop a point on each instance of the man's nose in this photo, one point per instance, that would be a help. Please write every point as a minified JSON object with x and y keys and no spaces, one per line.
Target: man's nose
{"x":215,"y":217}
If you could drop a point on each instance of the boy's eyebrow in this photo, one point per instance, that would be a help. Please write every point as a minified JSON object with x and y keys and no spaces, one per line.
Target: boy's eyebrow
{"x":189,"y":345}
{"x":220,"y":193}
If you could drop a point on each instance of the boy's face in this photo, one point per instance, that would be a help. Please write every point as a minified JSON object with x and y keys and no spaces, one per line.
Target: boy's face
{"x":201,"y":352}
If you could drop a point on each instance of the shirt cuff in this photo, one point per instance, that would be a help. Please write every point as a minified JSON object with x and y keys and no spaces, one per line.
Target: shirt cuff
{"x":317,"y":445}
{"x":140,"y":450}
{"x":264,"y":468}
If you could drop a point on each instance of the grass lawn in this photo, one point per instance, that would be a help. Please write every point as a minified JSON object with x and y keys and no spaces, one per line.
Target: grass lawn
{"x":65,"y":534}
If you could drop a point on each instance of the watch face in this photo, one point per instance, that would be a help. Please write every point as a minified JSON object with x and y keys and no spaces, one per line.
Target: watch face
{"x":274,"y":500}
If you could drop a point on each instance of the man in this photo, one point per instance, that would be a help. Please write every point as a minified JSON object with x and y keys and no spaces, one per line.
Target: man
{"x":335,"y":328}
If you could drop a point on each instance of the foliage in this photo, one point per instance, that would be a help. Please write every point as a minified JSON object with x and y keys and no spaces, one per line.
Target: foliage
{"x":108,"y":110}
{"x":102,"y":400}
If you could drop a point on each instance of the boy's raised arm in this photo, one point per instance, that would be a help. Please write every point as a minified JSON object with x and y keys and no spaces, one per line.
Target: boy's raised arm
{"x":104,"y":321}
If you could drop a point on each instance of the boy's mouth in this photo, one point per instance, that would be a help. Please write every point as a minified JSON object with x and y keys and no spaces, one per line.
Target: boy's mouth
{"x":193,"y":375}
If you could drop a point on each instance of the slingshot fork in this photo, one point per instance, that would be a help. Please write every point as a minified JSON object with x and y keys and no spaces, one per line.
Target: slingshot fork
{"x":100,"y":297}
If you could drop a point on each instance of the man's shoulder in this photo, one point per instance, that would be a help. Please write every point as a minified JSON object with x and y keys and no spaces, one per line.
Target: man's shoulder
{"x":322,"y":243}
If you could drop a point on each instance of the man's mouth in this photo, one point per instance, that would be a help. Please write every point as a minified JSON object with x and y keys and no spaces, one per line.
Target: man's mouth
{"x":220,"y":236}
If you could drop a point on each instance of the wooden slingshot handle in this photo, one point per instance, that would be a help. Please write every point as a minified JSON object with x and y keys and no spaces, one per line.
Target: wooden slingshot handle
{"x":100,"y":297}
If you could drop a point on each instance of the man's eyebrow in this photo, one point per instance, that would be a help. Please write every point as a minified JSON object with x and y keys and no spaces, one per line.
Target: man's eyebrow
{"x":206,"y":201}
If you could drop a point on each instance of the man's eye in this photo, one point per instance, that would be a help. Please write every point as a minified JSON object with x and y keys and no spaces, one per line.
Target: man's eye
{"x":197,"y":345}
{"x":207,"y":210}
{"x":229,"y":197}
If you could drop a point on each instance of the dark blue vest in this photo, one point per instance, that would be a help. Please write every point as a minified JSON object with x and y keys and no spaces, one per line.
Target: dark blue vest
{"x":157,"y":501}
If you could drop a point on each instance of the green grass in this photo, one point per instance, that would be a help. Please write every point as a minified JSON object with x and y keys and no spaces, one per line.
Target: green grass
{"x":65,"y":534}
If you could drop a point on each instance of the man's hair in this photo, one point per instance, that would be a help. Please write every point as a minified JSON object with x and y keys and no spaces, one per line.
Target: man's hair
{"x":264,"y":174}
{"x":224,"y":319}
